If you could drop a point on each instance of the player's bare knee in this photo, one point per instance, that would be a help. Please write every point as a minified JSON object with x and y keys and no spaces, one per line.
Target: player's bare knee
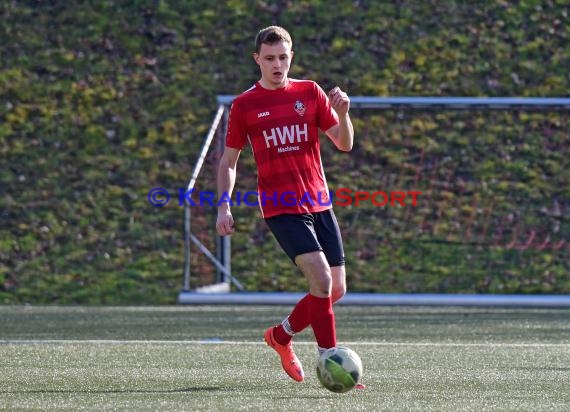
{"x":338,"y":292}
{"x":326,"y":286}
{"x":323,"y":284}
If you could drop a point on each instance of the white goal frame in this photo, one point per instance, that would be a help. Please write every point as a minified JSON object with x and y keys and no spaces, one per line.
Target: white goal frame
{"x":219,"y":292}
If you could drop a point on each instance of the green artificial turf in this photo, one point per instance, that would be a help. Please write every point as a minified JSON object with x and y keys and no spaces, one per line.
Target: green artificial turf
{"x":212,"y":358}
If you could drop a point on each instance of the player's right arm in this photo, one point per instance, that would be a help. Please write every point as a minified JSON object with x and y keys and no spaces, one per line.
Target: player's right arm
{"x":226,"y":182}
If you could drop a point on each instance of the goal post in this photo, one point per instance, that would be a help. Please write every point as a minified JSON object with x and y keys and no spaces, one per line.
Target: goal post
{"x":222,"y":256}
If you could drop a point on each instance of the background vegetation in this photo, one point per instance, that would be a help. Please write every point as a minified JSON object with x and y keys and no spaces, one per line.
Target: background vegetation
{"x":102,"y":101}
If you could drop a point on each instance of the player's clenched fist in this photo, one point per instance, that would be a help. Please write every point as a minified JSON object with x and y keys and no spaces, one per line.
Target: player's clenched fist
{"x":225,"y":223}
{"x":340,"y":101}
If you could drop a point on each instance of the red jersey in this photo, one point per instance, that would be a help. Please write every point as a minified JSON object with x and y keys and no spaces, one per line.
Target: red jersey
{"x":282,"y":127}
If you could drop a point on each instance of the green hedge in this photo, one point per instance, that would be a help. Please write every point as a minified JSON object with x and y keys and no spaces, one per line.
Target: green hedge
{"x":103,"y":101}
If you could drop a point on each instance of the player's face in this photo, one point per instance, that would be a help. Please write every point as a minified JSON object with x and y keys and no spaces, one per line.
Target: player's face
{"x":274,"y":61}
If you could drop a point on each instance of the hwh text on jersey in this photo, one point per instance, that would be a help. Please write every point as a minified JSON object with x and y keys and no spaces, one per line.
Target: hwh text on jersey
{"x":280,"y":136}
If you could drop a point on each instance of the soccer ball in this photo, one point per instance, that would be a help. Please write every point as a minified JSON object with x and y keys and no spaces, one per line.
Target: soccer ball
{"x":339,"y":369}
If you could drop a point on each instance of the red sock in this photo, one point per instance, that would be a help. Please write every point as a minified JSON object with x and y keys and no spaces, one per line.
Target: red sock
{"x":322,"y":321}
{"x":298,"y":320}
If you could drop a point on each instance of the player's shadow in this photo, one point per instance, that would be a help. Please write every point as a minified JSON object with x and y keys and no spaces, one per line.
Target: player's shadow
{"x":541,"y":368}
{"x":181,"y":390}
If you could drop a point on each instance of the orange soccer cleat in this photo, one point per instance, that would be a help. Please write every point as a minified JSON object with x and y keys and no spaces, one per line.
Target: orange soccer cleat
{"x":291,"y":364}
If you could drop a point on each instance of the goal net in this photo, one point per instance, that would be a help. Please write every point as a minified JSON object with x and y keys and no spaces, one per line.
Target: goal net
{"x":492,"y":216}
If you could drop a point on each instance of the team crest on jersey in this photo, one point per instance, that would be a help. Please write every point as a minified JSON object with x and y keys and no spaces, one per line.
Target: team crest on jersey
{"x":300,"y":108}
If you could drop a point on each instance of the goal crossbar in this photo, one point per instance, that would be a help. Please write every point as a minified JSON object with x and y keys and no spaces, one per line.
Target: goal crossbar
{"x":449,"y":103}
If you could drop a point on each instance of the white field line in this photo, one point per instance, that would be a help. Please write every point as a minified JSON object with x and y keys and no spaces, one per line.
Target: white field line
{"x":223,"y":342}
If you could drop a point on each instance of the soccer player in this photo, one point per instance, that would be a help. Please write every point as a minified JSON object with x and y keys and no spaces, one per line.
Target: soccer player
{"x":280,"y":117}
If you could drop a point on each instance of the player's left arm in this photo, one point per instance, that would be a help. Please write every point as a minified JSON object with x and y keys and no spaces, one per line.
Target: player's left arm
{"x":342,"y":134}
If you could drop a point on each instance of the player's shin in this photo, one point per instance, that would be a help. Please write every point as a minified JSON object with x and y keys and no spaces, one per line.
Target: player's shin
{"x":323,"y":321}
{"x":296,"y":322}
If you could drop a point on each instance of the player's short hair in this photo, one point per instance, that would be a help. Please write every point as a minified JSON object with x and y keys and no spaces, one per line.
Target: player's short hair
{"x":271,"y":35}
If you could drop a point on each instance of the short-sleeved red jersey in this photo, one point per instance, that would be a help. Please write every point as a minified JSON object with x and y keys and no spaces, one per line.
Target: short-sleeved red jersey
{"x":282,"y":127}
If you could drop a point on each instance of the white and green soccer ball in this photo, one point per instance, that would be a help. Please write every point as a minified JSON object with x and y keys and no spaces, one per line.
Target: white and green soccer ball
{"x":339,"y":369}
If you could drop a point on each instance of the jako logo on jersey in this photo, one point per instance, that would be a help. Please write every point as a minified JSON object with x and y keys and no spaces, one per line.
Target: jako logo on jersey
{"x":264,"y":114}
{"x":300,"y":107}
{"x":281,"y":136}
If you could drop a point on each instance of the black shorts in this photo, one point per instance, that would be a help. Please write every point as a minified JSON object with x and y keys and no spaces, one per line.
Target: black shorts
{"x":311,"y":232}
